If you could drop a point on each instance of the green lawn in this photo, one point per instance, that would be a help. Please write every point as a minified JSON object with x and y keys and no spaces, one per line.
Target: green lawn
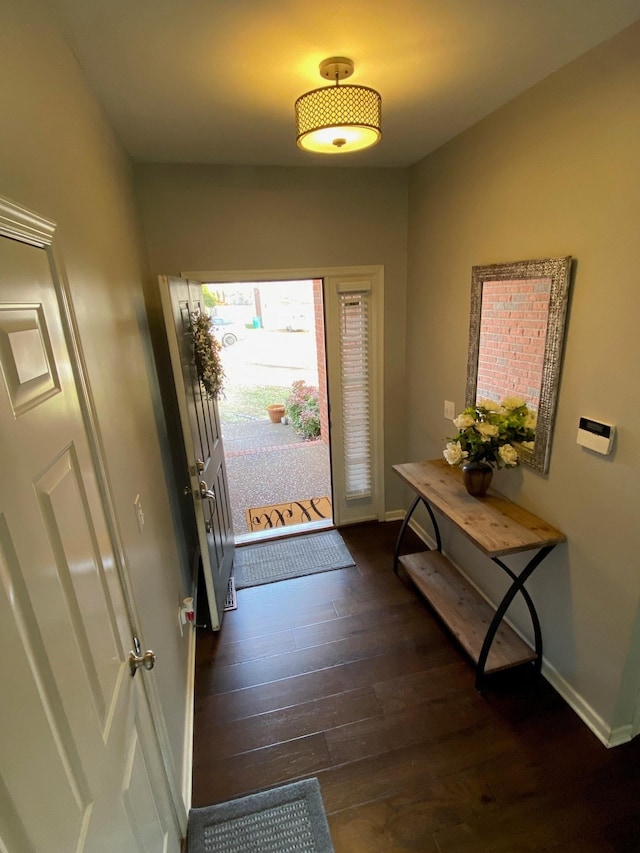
{"x":243,"y":402}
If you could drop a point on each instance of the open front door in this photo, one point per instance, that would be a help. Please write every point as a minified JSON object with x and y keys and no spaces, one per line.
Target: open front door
{"x":206,"y":479}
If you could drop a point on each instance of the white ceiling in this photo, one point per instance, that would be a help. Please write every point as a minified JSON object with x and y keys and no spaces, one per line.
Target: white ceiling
{"x":214,"y":81}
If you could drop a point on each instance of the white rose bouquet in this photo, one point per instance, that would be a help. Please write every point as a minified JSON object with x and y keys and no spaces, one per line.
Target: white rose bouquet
{"x":487,"y":433}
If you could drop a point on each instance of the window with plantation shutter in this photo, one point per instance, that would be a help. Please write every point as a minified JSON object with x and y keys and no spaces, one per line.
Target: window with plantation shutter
{"x":355,"y":337}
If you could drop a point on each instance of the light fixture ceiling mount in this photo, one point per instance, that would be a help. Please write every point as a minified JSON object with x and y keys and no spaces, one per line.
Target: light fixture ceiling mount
{"x":338,"y":119}
{"x":337,"y":68}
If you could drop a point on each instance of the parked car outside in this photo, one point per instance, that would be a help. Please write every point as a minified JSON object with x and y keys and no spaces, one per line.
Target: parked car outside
{"x":228,"y":332}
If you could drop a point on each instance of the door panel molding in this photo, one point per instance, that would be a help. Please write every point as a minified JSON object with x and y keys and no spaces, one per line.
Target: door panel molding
{"x":148,"y":825}
{"x":25,"y":357}
{"x":38,"y":692}
{"x":61,"y":494}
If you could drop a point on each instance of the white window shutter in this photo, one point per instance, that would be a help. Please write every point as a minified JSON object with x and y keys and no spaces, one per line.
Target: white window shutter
{"x":355,"y":342}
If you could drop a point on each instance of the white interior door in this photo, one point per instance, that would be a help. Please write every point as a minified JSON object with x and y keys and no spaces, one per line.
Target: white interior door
{"x":80,"y":764}
{"x":206,"y":479}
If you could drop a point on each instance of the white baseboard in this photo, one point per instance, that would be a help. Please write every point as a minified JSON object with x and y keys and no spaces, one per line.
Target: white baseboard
{"x":395,"y":515}
{"x":605,"y":734}
{"x":428,"y":539}
{"x":623,"y":734}
{"x":187,"y":750}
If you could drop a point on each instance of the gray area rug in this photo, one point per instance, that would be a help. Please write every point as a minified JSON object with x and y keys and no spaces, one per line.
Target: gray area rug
{"x":288,"y":819}
{"x":290,"y":558}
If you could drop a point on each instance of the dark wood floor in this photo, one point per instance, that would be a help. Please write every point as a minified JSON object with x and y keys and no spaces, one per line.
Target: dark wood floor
{"x":349,"y":677}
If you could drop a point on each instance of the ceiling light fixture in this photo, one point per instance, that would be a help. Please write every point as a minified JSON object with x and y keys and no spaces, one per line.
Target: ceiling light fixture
{"x":338,"y":119}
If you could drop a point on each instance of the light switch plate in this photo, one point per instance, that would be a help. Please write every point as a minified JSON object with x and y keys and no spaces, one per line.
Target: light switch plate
{"x":139,"y":513}
{"x":449,"y":410}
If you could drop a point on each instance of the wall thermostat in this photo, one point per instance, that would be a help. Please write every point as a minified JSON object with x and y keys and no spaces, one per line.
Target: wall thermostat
{"x":596,"y":435}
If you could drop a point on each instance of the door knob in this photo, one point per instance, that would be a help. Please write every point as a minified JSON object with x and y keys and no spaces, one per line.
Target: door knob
{"x":137,"y":659}
{"x":206,"y":492}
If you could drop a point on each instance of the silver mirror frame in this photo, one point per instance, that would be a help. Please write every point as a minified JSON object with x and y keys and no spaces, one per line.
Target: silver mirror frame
{"x":559,"y":271}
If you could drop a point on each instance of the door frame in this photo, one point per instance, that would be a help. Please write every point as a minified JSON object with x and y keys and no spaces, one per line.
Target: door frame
{"x":331,"y":276}
{"x":19,"y":223}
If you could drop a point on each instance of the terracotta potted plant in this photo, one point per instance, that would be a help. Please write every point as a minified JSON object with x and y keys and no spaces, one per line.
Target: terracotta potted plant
{"x":276,"y":412}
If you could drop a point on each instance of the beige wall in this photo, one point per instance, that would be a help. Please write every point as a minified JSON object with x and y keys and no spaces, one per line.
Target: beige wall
{"x":59,"y":158}
{"x":246,"y":218}
{"x":555,"y":172}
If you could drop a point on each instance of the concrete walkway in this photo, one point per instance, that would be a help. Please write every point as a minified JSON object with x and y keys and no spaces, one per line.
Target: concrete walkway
{"x":270,"y":464}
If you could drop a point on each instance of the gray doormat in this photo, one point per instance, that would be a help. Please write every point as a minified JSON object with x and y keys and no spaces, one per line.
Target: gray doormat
{"x":290,"y":818}
{"x":290,"y":558}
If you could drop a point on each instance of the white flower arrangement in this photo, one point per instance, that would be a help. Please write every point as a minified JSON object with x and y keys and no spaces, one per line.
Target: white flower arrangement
{"x":206,"y":353}
{"x":488,"y":431}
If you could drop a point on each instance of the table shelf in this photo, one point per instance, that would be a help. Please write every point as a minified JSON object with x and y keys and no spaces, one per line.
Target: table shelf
{"x":496,"y":526}
{"x":464,"y":611}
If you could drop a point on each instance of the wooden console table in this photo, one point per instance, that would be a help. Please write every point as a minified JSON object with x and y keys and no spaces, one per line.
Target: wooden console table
{"x":498,"y":527}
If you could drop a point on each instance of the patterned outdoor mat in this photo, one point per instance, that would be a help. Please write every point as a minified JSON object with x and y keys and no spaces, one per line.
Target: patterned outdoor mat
{"x":267,"y":562}
{"x":284,"y":515}
{"x":288,"y":818}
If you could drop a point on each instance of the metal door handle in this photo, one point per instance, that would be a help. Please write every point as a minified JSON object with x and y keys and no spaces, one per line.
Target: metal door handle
{"x":206,"y":492}
{"x":199,"y":466}
{"x":147,"y":660}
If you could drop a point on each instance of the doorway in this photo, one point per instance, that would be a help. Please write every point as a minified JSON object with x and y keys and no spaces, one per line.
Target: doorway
{"x":274,"y":411}
{"x":353,"y":313}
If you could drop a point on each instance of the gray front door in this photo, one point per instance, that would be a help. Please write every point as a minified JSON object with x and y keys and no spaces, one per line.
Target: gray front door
{"x":206,"y":478}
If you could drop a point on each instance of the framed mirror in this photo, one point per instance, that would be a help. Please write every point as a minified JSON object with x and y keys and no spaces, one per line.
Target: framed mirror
{"x":516,"y":334}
